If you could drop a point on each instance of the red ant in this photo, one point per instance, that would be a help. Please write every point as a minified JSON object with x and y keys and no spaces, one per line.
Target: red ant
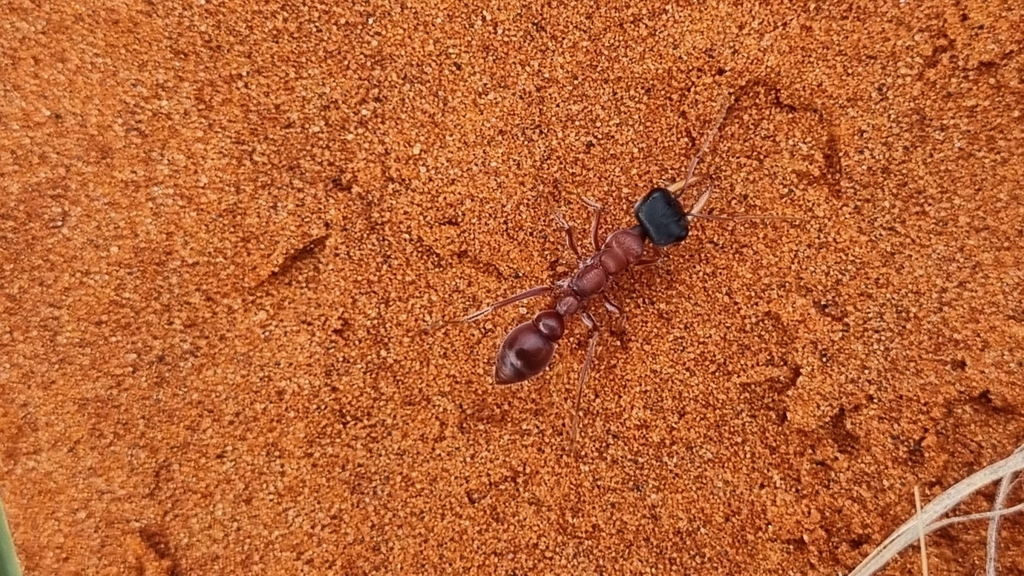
{"x":528,"y":348}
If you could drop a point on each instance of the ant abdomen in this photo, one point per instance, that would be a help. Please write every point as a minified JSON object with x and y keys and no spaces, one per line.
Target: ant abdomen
{"x":528,"y":348}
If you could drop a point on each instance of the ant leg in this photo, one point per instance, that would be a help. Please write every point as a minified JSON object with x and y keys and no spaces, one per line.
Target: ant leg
{"x":612,"y":306}
{"x":595,"y":223}
{"x":584,"y":371}
{"x":570,"y":240}
{"x":531,"y":293}
{"x":617,"y":311}
{"x":649,"y":261}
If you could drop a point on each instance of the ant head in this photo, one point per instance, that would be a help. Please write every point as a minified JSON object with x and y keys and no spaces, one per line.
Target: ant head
{"x":662,"y":218}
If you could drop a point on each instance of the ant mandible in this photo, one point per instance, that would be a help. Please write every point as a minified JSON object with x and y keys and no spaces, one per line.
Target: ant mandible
{"x":527,"y":350}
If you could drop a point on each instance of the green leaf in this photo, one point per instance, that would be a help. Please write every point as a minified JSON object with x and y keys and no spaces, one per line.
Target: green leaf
{"x":8,"y":561}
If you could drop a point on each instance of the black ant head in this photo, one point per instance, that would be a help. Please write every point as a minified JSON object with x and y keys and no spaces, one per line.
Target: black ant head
{"x":662,"y":218}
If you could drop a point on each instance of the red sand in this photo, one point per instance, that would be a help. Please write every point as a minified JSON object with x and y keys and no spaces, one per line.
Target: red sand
{"x":225,"y":225}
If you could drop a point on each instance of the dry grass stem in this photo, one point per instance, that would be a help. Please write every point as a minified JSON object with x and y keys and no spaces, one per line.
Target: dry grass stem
{"x":928,"y":517}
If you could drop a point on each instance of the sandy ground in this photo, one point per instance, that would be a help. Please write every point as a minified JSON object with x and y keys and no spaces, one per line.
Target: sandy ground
{"x":225,"y":226}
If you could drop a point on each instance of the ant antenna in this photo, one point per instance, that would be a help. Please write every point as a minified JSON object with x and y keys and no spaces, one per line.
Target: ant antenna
{"x":704,"y":147}
{"x":695,"y":211}
{"x":735,"y":217}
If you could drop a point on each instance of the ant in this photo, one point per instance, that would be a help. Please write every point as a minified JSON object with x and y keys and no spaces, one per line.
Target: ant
{"x":528,"y":349}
